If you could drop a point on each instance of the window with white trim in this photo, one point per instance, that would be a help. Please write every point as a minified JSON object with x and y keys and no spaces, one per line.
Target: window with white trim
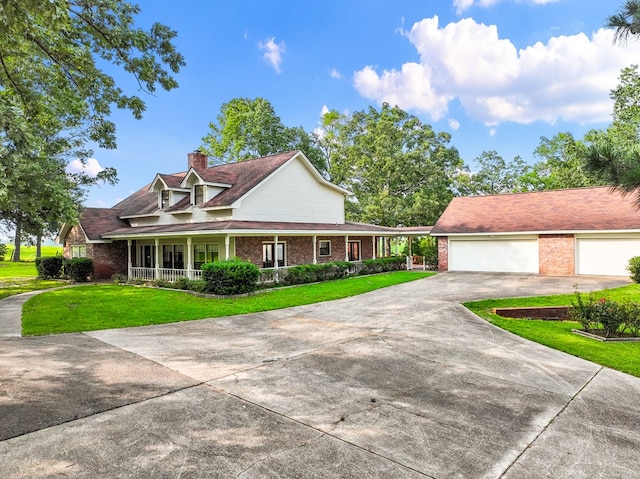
{"x":324,"y":247}
{"x":198,"y":194}
{"x":205,"y":253}
{"x":79,"y":251}
{"x":164,"y":199}
{"x":173,"y":256}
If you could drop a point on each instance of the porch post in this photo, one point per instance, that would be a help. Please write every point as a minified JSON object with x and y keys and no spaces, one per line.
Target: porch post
{"x":226,"y":246}
{"x":157,"y":273}
{"x":346,"y":248}
{"x":315,"y":248}
{"x":275,"y":252}
{"x":189,"y":258}
{"x":129,"y":259}
{"x":373,"y":247}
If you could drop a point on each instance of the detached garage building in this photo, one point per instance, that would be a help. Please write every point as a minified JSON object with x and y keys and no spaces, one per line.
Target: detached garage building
{"x":591,"y":231}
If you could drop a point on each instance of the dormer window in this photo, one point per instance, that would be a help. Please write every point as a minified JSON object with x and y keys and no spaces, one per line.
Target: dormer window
{"x":198,"y":194}
{"x":164,"y":199}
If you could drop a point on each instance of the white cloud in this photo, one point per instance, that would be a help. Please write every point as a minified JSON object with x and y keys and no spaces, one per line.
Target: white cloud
{"x":324,"y":110}
{"x":91,"y":167}
{"x":454,"y":124}
{"x":335,"y":74}
{"x":273,"y":52}
{"x":492,"y":132}
{"x":568,"y":78}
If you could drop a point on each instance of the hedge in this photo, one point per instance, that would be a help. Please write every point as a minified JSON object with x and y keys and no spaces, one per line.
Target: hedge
{"x":230,"y":277}
{"x":49,"y":267}
{"x":79,"y":269}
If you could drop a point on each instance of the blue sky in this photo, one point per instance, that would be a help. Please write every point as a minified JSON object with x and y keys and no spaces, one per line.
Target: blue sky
{"x":496,"y":74}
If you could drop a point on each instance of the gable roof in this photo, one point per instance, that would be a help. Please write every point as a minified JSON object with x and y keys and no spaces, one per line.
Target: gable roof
{"x":572,"y":210}
{"x":95,"y":221}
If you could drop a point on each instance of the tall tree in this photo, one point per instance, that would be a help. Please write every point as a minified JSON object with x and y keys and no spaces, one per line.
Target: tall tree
{"x":248,"y":128}
{"x":626,"y":22}
{"x":55,"y":96}
{"x":614,"y":154}
{"x":398,"y":168}
{"x":561,"y":165}
{"x":497,"y":176}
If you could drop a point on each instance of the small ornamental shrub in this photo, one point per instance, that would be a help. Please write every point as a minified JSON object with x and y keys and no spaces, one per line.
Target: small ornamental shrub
{"x":79,"y":270}
{"x":230,"y":277}
{"x":182,"y":283}
{"x":382,"y":265}
{"x":119,"y":278}
{"x":3,"y":251}
{"x":197,"y":285}
{"x":634,"y":269}
{"x":632,"y":318}
{"x":611,"y":316}
{"x":606,"y":317}
{"x":49,"y":267}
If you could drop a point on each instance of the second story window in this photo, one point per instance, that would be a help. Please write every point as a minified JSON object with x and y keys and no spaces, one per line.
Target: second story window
{"x":198,"y":194}
{"x":164,"y":200}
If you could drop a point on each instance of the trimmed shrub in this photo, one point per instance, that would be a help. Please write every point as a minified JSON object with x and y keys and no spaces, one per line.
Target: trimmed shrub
{"x":634,"y":269}
{"x":315,"y":273}
{"x":49,"y":267}
{"x":79,"y":270}
{"x":3,"y":251}
{"x":382,"y":265}
{"x":230,"y":277}
{"x":119,"y":278}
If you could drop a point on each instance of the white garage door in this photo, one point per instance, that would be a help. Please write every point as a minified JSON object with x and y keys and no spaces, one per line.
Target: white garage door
{"x":605,"y":256}
{"x":496,"y":255}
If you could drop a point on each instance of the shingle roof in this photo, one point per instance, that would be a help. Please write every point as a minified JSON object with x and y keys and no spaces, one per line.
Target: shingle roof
{"x":142,"y":202}
{"x":580,"y":209}
{"x":95,"y":221}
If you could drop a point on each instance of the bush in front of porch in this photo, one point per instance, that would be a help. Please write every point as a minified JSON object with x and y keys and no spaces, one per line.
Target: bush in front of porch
{"x":230,"y":277}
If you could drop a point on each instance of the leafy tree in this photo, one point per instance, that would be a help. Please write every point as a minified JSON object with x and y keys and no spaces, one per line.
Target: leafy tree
{"x":55,"y":97}
{"x":249,"y":128}
{"x":626,"y":22}
{"x":51,"y":54}
{"x":561,"y":165}
{"x":614,"y":154}
{"x":398,"y":169}
{"x":496,"y":176}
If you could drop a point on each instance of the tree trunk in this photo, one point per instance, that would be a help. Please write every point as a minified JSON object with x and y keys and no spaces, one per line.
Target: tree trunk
{"x":38,"y":246}
{"x":16,"y":243}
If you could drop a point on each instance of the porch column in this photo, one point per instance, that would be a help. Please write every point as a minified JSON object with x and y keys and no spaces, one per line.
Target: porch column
{"x":373,"y":247}
{"x":157,"y":243}
{"x":315,"y":249}
{"x":275,"y":252}
{"x":189,"y":258}
{"x":346,"y":248}
{"x":226,"y":246}
{"x":129,"y":259}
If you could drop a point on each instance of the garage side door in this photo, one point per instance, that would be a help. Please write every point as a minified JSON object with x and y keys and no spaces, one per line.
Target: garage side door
{"x":605,"y":256}
{"x":505,"y":255}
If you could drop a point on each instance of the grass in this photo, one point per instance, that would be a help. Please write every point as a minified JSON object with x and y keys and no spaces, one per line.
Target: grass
{"x":624,"y":357}
{"x":93,"y":307}
{"x":20,"y":277}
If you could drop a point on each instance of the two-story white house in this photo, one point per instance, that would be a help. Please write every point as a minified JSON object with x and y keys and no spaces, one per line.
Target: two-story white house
{"x":275,"y":212}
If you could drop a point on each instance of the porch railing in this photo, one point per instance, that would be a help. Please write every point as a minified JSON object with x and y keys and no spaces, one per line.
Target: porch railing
{"x":164,"y":274}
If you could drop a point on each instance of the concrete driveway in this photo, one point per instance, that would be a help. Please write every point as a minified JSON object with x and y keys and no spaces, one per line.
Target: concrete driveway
{"x":401,"y":382}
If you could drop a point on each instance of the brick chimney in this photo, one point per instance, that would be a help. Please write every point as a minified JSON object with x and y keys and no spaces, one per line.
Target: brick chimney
{"x":198,"y":160}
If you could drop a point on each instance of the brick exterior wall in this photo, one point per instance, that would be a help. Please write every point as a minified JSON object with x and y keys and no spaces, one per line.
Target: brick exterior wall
{"x":299,"y":249}
{"x":108,"y":258}
{"x":443,"y":253}
{"x":557,"y":254}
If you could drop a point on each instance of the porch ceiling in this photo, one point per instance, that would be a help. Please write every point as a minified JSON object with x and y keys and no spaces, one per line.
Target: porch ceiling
{"x":256,"y":228}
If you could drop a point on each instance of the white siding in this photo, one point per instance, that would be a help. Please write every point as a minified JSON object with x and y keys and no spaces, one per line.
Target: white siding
{"x":509,"y":255}
{"x":605,"y":255}
{"x":292,"y":194}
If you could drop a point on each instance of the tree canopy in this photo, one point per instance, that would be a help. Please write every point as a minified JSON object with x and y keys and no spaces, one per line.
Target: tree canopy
{"x":398,"y":168}
{"x":626,"y":22}
{"x":249,"y":128}
{"x":56,"y":97}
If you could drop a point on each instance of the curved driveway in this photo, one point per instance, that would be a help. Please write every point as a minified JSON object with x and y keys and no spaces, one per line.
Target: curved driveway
{"x":400,"y":382}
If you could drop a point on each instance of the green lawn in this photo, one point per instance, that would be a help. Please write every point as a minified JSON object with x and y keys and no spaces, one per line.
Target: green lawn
{"x":20,"y":277}
{"x":624,"y":357}
{"x":92,"y":307}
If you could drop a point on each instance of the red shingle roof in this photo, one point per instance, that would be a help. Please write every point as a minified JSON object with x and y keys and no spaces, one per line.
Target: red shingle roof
{"x":580,"y":209}
{"x":95,"y":221}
